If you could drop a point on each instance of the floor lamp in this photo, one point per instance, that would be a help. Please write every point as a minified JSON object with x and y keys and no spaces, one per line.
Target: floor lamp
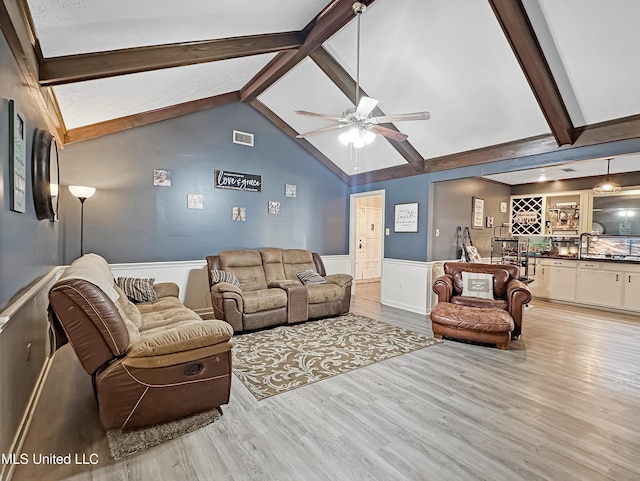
{"x":82,"y":193}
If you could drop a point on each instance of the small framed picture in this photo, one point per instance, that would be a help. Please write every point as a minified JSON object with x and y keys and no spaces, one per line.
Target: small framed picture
{"x":195,"y":201}
{"x":238,"y":214}
{"x":274,"y":207}
{"x":162,"y":177}
{"x":289,"y":190}
{"x":503,"y":207}
{"x":406,"y":217}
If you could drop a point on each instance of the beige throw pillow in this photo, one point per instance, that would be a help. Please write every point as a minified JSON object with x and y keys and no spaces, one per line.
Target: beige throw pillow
{"x":476,"y":284}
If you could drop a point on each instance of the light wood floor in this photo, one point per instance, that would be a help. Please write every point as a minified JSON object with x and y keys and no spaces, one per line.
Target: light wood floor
{"x":562,"y":404}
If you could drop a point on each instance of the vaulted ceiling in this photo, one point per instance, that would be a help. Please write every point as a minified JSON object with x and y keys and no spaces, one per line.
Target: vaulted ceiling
{"x":502,"y":79}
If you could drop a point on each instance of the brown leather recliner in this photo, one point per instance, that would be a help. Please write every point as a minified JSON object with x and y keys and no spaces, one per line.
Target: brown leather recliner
{"x":510,"y":294}
{"x":150,"y":362}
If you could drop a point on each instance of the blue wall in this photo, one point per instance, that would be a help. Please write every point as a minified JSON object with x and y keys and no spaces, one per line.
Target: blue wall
{"x":28,"y":247}
{"x":130,"y":220}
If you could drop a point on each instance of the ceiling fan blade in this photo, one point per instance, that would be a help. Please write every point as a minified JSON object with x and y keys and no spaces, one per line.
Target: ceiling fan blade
{"x":321,"y":116}
{"x":391,"y":134}
{"x":319,"y":131}
{"x":384,"y":119}
{"x":365,"y":106}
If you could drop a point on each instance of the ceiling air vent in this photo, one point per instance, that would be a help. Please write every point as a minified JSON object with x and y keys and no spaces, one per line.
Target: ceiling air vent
{"x":242,"y":138}
{"x":568,"y":169}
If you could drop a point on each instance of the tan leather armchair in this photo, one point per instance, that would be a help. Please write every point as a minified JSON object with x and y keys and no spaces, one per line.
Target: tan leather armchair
{"x":510,"y":294}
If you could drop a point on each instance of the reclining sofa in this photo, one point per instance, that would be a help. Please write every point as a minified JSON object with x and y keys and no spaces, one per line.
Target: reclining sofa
{"x":150,"y":362}
{"x":269,"y":292}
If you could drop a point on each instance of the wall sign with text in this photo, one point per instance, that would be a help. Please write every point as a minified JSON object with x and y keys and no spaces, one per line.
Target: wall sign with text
{"x":223,"y":179}
{"x":17,"y":158}
{"x":406,"y":217}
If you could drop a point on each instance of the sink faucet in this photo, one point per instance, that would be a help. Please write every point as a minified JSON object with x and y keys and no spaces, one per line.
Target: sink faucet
{"x":582,"y":236}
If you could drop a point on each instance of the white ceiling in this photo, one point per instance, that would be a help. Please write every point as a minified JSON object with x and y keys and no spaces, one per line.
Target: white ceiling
{"x":67,"y":27}
{"x":449,"y":57}
{"x":570,"y":170}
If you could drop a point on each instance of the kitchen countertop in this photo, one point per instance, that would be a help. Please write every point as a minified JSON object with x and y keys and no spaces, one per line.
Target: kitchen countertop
{"x":618,"y":259}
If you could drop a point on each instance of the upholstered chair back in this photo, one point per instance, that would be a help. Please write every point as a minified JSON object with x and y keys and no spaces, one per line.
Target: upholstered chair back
{"x":247,"y":266}
{"x":297,"y":260}
{"x":87,"y":312}
{"x":272,"y":263}
{"x":502,"y":274}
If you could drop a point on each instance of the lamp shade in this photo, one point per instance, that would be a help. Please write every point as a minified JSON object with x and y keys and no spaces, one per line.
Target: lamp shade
{"x":81,"y":191}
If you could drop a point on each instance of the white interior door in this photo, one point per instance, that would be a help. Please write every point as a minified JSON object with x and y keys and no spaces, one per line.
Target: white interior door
{"x":368,"y":241}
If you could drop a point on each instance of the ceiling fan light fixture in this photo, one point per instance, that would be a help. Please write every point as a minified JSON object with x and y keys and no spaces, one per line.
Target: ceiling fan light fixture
{"x":358,"y":137}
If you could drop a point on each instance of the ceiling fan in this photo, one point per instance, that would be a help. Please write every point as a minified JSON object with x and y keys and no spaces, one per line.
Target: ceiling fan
{"x":362,"y":127}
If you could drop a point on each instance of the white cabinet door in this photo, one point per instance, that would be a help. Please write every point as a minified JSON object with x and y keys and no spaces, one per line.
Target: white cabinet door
{"x":631,"y":291}
{"x":602,"y":288}
{"x":558,"y":283}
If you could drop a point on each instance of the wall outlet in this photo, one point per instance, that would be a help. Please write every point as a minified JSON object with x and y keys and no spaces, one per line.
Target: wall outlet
{"x":401,"y":284}
{"x":437,"y":232}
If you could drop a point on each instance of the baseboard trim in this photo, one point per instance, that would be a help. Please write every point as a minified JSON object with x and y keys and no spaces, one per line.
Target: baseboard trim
{"x":405,"y":307}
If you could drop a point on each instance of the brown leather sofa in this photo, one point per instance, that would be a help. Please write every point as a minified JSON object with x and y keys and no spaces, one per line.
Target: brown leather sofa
{"x":510,"y":294}
{"x":150,"y":362}
{"x":270,"y":292}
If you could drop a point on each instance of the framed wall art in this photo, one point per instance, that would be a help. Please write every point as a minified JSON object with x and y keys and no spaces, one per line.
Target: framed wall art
{"x":405,"y":217}
{"x":477,"y":213}
{"x":289,"y":190}
{"x":17,"y":158}
{"x":239,"y":214}
{"x":274,"y":207}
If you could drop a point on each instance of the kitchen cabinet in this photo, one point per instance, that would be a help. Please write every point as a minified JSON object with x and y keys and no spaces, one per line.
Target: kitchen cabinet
{"x":631,"y":290}
{"x":557,"y":279}
{"x":598,"y":287}
{"x":613,"y":285}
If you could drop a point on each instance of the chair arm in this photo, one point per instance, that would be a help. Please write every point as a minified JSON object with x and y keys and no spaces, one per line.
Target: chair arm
{"x":221,"y":287}
{"x":224,"y":291}
{"x":443,"y":287}
{"x":184,"y":337}
{"x":339,"y":279}
{"x":518,"y":294}
{"x":166,"y":289}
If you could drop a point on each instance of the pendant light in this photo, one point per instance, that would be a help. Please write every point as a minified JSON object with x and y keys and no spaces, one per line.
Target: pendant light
{"x":607,"y":186}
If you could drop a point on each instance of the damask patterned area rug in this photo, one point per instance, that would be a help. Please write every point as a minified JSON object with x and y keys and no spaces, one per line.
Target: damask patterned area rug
{"x":277,"y":360}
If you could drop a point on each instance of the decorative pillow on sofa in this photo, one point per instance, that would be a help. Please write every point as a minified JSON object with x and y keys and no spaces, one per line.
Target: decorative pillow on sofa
{"x":138,"y":289}
{"x":476,"y":284}
{"x":224,"y":276}
{"x":310,"y":277}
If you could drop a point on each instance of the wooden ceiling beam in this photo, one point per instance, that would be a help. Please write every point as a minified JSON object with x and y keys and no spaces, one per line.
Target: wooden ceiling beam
{"x":341,"y":78}
{"x":305,"y":144}
{"x":331,"y":19}
{"x":516,"y":26}
{"x":17,"y":28}
{"x":540,"y":144}
{"x":145,"y":118}
{"x":91,"y":66}
{"x":617,"y":130}
{"x":390,"y":173}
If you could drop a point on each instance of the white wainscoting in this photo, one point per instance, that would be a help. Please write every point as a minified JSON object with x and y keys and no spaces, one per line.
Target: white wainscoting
{"x":406,"y":285}
{"x":25,"y":355}
{"x":336,"y":264}
{"x":190,"y":276}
